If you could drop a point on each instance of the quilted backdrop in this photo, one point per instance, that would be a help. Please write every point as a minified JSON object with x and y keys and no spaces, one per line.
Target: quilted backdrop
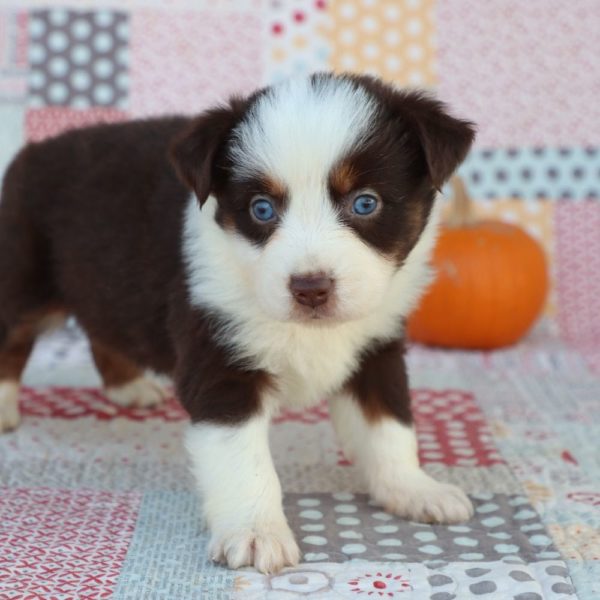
{"x":96,"y":501}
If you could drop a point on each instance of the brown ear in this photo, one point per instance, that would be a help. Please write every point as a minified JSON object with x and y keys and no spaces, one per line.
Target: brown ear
{"x":446,"y":140}
{"x":194,"y":150}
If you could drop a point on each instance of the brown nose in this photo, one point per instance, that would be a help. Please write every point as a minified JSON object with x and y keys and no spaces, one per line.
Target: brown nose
{"x":311,"y":290}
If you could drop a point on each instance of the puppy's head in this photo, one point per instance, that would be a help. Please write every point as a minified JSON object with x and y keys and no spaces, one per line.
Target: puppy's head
{"x":324,"y":186}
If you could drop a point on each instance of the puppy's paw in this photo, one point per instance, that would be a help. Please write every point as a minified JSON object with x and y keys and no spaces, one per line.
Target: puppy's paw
{"x":140,"y":393}
{"x":268,"y":548}
{"x":417,"y":497}
{"x":9,"y":405}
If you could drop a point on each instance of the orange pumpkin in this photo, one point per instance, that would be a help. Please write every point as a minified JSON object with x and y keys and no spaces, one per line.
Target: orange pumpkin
{"x":491,"y":283}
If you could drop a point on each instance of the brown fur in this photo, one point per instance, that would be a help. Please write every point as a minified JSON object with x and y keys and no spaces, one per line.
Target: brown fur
{"x":19,"y":339}
{"x":343,"y":179}
{"x":380,"y":384}
{"x":115,"y":368}
{"x":91,"y":221}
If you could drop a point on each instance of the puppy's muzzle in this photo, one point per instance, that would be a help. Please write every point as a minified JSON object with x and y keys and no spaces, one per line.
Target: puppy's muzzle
{"x":311,"y":290}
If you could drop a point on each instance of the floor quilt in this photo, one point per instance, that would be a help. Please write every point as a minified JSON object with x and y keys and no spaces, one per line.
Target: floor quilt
{"x":96,"y":501}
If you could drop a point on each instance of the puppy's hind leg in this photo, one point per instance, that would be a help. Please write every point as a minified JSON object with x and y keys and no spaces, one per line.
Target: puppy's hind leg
{"x":15,"y":346}
{"x":124,"y":382}
{"x":26,"y":294}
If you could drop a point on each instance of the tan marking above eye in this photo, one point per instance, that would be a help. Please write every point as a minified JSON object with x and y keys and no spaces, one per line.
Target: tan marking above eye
{"x":343,"y":178}
{"x":273,"y":187}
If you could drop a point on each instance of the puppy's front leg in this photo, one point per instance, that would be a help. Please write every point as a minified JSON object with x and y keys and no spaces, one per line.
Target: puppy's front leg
{"x":229,"y":449}
{"x":241,"y":494}
{"x":373,"y":421}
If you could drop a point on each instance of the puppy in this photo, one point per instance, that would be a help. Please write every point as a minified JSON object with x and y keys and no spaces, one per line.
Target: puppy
{"x":263,"y":254}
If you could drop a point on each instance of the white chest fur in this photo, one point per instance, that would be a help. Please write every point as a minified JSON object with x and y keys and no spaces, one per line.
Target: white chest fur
{"x":307,"y":361}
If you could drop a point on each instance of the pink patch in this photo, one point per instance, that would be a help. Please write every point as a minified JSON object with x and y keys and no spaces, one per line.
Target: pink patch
{"x":41,"y":123}
{"x":592,"y":498}
{"x":578,"y":275}
{"x":450,"y":426}
{"x":22,"y":40}
{"x":77,"y":403}
{"x":184,"y":61}
{"x":308,"y":416}
{"x":64,"y":543}
{"x":526,"y":72}
{"x":13,"y":55}
{"x":452,"y":429}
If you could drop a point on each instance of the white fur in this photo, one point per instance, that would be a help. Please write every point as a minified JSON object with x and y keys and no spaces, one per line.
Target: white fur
{"x":309,"y":361}
{"x":139,"y":392}
{"x":297,"y":131}
{"x":241,"y":494}
{"x":9,"y":404}
{"x":295,"y":135}
{"x":386,"y":454}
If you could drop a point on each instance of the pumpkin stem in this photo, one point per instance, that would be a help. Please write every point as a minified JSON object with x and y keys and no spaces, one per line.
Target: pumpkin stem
{"x":462,"y":213}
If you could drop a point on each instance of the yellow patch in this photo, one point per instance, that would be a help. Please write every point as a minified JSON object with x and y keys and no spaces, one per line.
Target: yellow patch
{"x":394,"y":40}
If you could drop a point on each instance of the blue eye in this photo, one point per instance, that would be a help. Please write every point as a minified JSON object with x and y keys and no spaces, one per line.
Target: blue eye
{"x":263,"y":210}
{"x":364,"y":205}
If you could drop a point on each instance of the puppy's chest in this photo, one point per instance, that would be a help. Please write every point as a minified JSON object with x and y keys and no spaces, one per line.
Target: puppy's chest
{"x":309,"y":366}
{"x":302,"y":387}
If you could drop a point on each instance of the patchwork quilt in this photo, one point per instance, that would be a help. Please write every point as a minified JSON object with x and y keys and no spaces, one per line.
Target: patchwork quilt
{"x":96,"y":501}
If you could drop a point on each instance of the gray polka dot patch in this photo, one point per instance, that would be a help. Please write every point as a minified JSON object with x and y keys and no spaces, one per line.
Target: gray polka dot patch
{"x":342,"y":527}
{"x":78,"y":58}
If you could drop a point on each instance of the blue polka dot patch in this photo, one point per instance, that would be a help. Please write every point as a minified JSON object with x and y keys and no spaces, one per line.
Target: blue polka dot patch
{"x":533,"y":173}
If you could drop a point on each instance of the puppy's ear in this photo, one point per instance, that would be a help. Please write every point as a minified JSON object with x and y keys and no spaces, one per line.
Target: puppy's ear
{"x":194,"y":150}
{"x":445,"y":139}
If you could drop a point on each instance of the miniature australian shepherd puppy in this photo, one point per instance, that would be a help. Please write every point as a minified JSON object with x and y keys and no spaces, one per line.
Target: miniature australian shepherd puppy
{"x":263,"y":254}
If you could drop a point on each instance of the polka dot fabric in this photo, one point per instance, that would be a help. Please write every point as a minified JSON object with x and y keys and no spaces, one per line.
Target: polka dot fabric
{"x":577,"y":541}
{"x":392,"y":39}
{"x":76,"y":403}
{"x":452,"y":430}
{"x":344,"y":526}
{"x":516,"y":429}
{"x":297,"y":41}
{"x":78,"y":58}
{"x":430,"y":580}
{"x":534,"y":173}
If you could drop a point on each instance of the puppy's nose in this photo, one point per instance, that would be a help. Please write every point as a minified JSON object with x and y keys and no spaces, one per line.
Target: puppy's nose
{"x":311,"y":290}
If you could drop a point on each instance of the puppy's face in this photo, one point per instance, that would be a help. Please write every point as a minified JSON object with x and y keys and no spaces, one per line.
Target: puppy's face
{"x":324,"y":186}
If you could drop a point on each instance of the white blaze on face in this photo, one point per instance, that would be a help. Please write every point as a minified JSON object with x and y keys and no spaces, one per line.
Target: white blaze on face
{"x":295,"y":135}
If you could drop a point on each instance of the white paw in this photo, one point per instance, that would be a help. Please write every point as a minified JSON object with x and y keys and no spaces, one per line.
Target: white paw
{"x":268,"y":548}
{"x":139,"y":393}
{"x":9,"y":405}
{"x":417,"y":497}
